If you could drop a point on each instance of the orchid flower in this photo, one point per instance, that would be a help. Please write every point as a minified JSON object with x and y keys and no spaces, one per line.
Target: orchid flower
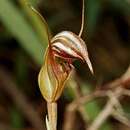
{"x":62,"y":50}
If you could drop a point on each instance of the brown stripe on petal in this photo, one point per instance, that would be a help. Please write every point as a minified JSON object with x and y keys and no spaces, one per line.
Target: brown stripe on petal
{"x":69,"y":40}
{"x":70,"y":36}
{"x":64,"y":46}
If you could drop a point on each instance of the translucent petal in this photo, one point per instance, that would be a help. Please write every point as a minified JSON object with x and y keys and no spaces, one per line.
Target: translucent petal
{"x":52,"y":76}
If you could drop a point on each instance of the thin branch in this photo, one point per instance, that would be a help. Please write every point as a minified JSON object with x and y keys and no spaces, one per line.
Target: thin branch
{"x":126,"y":92}
{"x":118,"y":87}
{"x":87,"y":98}
{"x":106,"y":112}
{"x":69,"y":118}
{"x":101,"y":117}
{"x":123,"y":82}
{"x":121,"y":118}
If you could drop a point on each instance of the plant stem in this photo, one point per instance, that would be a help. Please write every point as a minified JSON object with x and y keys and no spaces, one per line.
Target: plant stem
{"x":52,"y":115}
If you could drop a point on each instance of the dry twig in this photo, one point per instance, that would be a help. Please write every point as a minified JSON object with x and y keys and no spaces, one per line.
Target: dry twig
{"x":107,"y":111}
{"x":114,"y":91}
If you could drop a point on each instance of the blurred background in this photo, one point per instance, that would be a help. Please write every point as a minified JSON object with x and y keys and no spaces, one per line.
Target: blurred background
{"x":22,"y":46}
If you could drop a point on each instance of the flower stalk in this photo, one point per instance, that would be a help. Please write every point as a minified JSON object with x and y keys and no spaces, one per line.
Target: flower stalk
{"x":52,"y":115}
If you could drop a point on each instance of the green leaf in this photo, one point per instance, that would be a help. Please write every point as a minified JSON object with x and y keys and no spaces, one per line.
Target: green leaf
{"x":13,"y":20}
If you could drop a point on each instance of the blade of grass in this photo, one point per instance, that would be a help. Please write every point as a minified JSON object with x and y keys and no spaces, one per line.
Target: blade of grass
{"x":13,"y":20}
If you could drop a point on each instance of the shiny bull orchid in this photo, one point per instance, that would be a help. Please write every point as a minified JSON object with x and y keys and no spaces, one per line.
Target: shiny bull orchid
{"x":65,"y":47}
{"x":62,"y":50}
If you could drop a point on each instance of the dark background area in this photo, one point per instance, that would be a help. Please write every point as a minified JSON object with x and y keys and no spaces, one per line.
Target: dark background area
{"x":106,"y":33}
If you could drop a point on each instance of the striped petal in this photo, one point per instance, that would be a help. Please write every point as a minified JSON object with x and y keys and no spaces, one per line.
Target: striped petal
{"x":69,"y":45}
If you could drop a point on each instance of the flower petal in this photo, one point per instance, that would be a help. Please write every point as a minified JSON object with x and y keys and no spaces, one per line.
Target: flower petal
{"x":52,"y":76}
{"x":69,"y":45}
